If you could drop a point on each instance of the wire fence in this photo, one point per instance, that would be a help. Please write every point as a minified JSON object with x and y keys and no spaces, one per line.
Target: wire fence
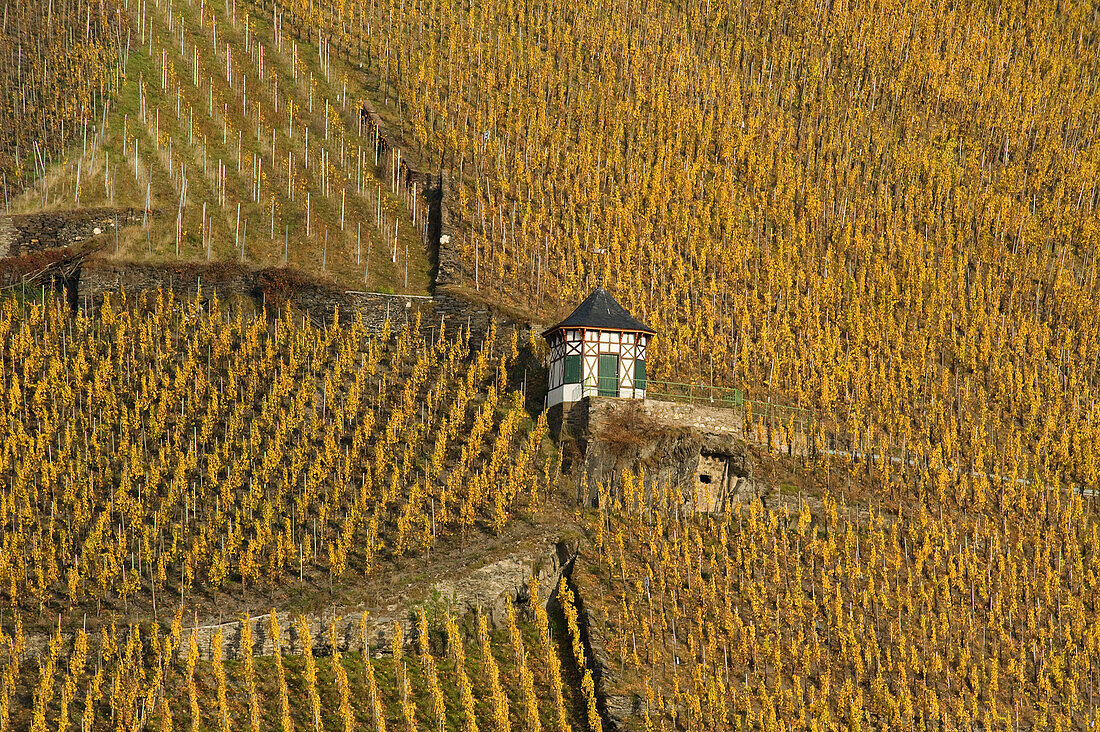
{"x":718,"y":396}
{"x":792,"y":421}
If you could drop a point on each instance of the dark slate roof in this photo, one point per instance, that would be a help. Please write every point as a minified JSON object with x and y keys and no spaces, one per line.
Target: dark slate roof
{"x":600,"y":310}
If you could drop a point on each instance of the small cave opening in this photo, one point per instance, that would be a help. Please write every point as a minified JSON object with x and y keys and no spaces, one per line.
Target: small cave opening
{"x":712,"y":478}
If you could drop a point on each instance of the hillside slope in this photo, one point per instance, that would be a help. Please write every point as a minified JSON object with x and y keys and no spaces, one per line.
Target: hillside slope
{"x":884,"y":213}
{"x":898,"y":233}
{"x":252,"y":142}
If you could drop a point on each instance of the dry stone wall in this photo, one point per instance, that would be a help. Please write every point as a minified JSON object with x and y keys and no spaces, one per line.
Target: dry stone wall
{"x":7,"y":236}
{"x":99,"y":277}
{"x":487,"y":589}
{"x":377,"y":307}
{"x":28,"y":233}
{"x":593,"y":414}
{"x":713,"y":420}
{"x":270,"y":289}
{"x":449,"y":269}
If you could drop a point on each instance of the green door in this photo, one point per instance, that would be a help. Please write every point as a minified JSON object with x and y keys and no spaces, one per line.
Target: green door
{"x":609,"y":375}
{"x":572,"y":369}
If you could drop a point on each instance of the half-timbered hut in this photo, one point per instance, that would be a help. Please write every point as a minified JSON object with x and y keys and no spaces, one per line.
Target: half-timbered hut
{"x":599,"y":350}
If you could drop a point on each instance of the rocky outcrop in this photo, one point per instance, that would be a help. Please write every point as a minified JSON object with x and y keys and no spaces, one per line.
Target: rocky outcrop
{"x":489,"y":588}
{"x":620,"y":708}
{"x":706,"y":462}
{"x":399,"y":162}
{"x":615,"y":709}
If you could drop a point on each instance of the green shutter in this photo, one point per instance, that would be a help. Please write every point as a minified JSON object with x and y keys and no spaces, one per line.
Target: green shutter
{"x":572,"y":370}
{"x":639,"y":374}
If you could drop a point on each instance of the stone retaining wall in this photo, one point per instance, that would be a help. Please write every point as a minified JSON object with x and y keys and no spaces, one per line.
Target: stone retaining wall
{"x":714,"y":420}
{"x":591,"y":413}
{"x":100,"y":276}
{"x":487,"y":589}
{"x":444,"y":312}
{"x":27,"y":233}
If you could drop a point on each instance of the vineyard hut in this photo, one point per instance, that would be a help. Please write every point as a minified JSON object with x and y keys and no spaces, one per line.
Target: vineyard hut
{"x":599,"y":350}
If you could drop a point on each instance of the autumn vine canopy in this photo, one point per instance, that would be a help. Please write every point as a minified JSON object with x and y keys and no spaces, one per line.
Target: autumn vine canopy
{"x":879,"y":215}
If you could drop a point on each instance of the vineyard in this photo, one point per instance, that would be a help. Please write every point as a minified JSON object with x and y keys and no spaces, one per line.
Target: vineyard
{"x":63,"y":61}
{"x":886,"y":214}
{"x":871,"y":230}
{"x":825,"y":619}
{"x":161,"y":449}
{"x":252,"y":144}
{"x":894,"y":230}
{"x":441,"y":678}
{"x":166,"y":451}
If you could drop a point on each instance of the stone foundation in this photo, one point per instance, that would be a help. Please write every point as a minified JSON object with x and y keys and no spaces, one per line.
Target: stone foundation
{"x":697,"y":452}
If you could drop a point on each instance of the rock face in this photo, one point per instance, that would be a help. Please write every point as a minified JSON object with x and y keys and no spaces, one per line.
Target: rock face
{"x":616,"y":709}
{"x":704,"y":462}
